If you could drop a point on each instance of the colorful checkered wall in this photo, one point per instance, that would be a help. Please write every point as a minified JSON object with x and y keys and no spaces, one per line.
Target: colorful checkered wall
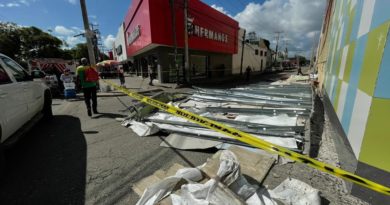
{"x":357,"y":76}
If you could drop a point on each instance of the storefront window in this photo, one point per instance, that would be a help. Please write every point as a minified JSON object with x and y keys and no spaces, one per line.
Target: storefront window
{"x":198,"y":66}
{"x":172,"y":68}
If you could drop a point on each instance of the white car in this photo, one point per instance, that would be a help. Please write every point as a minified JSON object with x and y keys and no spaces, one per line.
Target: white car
{"x":22,"y":102}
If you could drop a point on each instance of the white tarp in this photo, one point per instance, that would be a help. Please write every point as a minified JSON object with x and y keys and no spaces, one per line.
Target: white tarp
{"x":159,"y":191}
{"x":143,"y":129}
{"x":295,"y":192}
{"x":290,"y":191}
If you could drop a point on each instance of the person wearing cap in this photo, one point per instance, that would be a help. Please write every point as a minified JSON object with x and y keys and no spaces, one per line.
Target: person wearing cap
{"x":89,"y":88}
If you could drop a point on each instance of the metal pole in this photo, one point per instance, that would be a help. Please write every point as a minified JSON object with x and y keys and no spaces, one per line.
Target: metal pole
{"x":277,"y":43}
{"x":242,"y":51}
{"x":174,"y":39}
{"x":312,"y":56}
{"x":186,"y":54}
{"x":88,"y":33}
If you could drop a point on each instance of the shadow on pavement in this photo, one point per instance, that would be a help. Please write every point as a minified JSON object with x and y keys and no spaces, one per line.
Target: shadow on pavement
{"x":48,"y":166}
{"x":108,"y":115}
{"x":91,"y":132}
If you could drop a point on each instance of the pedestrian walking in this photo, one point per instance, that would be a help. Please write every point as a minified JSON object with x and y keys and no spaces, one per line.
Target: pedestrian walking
{"x":151,"y":74}
{"x":88,"y":77}
{"x":121,"y":75}
{"x":248,"y":73}
{"x":300,"y":71}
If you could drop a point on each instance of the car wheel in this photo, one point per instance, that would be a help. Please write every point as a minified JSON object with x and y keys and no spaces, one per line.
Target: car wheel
{"x":47,"y":110}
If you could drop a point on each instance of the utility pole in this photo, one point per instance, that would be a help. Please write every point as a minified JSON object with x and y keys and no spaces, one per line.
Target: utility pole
{"x":286,"y":48}
{"x":172,"y":2}
{"x":186,"y":54}
{"x":88,"y":33}
{"x":312,"y":55}
{"x":277,"y":42}
{"x":242,"y":51}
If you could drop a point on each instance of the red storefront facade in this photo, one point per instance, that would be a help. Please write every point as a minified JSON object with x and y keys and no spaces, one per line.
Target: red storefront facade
{"x":150,"y":38}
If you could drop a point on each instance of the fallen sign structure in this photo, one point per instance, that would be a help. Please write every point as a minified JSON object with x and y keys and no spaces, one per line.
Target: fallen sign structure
{"x":256,"y":142}
{"x":276,"y":117}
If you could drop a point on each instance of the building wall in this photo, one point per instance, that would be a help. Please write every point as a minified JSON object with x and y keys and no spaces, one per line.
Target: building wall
{"x":203,"y":16}
{"x":354,"y":67}
{"x":167,"y":72}
{"x":250,"y":58}
{"x":120,"y":42}
{"x":213,"y":31}
{"x":138,"y":15}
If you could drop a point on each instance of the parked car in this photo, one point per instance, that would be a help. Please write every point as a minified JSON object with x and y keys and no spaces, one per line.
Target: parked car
{"x":22,"y":102}
{"x":50,"y":80}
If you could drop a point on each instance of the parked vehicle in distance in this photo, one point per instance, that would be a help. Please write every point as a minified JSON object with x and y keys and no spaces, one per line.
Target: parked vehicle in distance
{"x":23,"y":102}
{"x":49,"y":79}
{"x":108,"y":69}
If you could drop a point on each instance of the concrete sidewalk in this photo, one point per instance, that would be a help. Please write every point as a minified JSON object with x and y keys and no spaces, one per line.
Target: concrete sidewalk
{"x":138,"y":83}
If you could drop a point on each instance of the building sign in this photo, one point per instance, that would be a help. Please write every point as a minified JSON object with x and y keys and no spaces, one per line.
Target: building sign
{"x":202,"y":32}
{"x":134,"y":35}
{"x":118,"y":50}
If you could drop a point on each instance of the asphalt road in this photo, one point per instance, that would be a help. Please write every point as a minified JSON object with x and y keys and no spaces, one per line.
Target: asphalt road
{"x":74,"y":159}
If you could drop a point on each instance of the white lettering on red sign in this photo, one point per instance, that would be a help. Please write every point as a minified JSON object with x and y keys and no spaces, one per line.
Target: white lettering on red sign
{"x":134,"y":35}
{"x":209,"y":34}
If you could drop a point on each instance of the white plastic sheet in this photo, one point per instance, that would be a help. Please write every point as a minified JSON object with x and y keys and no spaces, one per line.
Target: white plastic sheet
{"x":210,"y":193}
{"x":159,"y":191}
{"x":295,"y":192}
{"x":290,"y":191}
{"x":144,"y":129}
{"x":156,"y":192}
{"x":190,"y":174}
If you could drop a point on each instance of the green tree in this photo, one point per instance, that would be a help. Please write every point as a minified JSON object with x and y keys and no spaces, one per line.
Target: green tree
{"x":80,"y":51}
{"x":67,"y":54}
{"x":39,"y":44}
{"x":24,"y":43}
{"x":10,"y":43}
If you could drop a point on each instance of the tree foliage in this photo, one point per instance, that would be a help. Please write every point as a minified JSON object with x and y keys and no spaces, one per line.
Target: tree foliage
{"x":24,"y":43}
{"x":80,"y":51}
{"x":10,"y":42}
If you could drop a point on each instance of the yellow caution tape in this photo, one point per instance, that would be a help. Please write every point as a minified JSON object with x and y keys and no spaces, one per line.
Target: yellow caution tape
{"x":256,"y":142}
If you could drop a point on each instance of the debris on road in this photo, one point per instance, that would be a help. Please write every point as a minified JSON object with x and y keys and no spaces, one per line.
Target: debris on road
{"x":232,"y":176}
{"x":275,"y":113}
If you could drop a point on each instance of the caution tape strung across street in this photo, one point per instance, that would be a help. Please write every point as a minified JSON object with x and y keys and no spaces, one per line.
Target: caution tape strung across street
{"x":256,"y":142}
